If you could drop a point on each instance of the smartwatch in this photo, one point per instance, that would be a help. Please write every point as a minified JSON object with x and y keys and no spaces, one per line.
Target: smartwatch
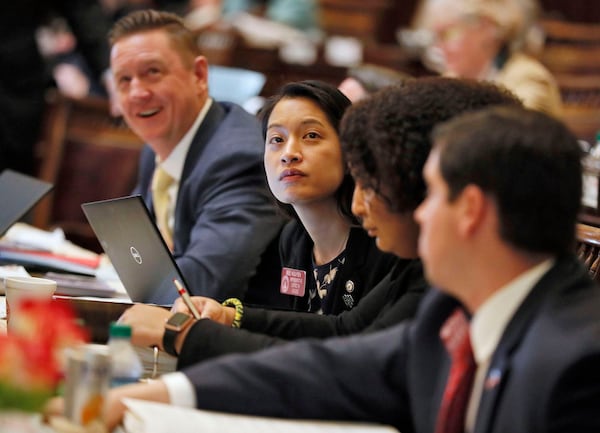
{"x":176,"y":323}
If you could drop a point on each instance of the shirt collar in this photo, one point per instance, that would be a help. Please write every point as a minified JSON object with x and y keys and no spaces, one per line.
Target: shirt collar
{"x":174,"y":163}
{"x":490,"y":320}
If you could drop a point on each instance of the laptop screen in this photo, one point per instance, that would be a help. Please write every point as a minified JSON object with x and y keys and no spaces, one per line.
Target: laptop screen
{"x":19,"y":194}
{"x":130,"y":238}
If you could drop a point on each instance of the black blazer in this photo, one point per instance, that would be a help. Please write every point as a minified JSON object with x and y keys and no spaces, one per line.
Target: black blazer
{"x":544,"y":374}
{"x":364,"y":267}
{"x":393,"y":300}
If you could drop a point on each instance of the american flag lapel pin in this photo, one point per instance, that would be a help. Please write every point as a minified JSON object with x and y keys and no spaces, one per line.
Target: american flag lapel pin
{"x":493,"y":379}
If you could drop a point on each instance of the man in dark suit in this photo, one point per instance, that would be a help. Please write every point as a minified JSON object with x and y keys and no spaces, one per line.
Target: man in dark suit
{"x":217,"y":214}
{"x":497,"y":230}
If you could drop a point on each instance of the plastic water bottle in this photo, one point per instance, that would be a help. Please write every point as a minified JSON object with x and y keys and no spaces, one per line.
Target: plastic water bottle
{"x":125,"y":363}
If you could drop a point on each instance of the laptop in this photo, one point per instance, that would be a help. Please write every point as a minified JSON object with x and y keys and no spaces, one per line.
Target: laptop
{"x":134,"y":245}
{"x":19,"y":193}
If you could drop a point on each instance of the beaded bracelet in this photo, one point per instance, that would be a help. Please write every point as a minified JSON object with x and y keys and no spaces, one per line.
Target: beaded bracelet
{"x":239,"y":311}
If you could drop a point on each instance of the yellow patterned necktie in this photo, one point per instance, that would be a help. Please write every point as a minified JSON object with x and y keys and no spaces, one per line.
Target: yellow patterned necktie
{"x":161,"y":181}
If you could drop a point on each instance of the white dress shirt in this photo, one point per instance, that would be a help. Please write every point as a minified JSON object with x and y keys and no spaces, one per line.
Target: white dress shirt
{"x":175,"y":162}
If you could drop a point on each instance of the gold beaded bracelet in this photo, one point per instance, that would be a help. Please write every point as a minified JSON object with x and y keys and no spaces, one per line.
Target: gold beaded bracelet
{"x":239,"y":311}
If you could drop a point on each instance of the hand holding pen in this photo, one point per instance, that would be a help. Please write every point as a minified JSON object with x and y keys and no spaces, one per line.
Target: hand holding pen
{"x":186,"y":299}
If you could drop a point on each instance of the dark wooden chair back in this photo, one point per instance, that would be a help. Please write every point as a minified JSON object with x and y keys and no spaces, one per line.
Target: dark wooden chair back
{"x":88,"y":155}
{"x":572,"y":53}
{"x":218,"y":43}
{"x":571,"y":47}
{"x":369,"y":21}
{"x":581,"y":104}
{"x":588,"y":248}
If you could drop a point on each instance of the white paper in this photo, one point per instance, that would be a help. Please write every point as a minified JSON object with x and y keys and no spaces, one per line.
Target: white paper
{"x":151,"y":417}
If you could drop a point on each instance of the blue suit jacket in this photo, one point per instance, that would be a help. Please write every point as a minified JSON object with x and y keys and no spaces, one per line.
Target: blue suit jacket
{"x":225,"y":216}
{"x":544,"y":375}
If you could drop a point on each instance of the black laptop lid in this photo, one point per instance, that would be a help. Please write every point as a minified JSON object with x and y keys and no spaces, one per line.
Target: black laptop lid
{"x":135,"y":247}
{"x":19,"y":193}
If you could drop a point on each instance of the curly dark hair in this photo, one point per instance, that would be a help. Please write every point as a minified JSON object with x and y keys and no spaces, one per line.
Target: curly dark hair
{"x":333,"y":103}
{"x":386,"y":138}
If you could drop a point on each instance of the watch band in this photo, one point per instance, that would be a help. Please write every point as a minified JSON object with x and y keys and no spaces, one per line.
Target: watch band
{"x":168,"y":341}
{"x":171,"y":333}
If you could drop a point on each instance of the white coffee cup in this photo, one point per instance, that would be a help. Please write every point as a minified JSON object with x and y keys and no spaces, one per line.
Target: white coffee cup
{"x":20,"y":288}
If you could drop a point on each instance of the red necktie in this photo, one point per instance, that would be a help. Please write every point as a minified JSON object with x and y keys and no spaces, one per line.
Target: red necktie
{"x":455,"y":335}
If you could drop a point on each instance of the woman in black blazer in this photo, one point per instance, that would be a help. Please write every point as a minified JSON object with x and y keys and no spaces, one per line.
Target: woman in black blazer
{"x":328,"y":261}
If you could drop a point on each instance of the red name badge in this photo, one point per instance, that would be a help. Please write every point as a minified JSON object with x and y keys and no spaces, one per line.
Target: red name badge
{"x":293,"y":282}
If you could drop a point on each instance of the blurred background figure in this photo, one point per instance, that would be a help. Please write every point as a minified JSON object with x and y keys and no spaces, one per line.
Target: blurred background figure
{"x":65,"y":64}
{"x":299,"y":14}
{"x":362,"y":80}
{"x":24,"y":76}
{"x":490,"y":40}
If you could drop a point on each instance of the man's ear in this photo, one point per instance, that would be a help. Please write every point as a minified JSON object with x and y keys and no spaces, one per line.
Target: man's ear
{"x":201,"y":71}
{"x":473,"y":207}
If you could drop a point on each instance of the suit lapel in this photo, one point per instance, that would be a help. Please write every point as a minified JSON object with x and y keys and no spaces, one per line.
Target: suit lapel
{"x":560,"y":275}
{"x":207,"y":128}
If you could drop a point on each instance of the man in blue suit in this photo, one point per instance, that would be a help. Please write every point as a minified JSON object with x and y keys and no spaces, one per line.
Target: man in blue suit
{"x":497,"y":233}
{"x":217,"y":216}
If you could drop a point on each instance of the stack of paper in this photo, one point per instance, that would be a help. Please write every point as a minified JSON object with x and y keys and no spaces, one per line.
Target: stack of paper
{"x":48,"y":250}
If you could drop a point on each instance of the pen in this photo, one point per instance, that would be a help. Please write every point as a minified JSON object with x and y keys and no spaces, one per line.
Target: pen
{"x":186,"y":298}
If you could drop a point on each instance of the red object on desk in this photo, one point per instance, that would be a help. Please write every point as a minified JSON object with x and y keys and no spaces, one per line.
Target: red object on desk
{"x":49,"y":260}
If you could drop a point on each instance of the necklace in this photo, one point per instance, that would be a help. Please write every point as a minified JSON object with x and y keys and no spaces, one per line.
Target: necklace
{"x":320,"y":259}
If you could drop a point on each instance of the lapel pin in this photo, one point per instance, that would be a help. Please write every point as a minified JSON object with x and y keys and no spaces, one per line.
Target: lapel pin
{"x":493,"y":379}
{"x":349,"y":286}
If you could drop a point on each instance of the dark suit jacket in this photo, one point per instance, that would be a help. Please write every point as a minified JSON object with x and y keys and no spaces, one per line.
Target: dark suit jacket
{"x":225,"y":216}
{"x":393,"y":300}
{"x":544,"y":374}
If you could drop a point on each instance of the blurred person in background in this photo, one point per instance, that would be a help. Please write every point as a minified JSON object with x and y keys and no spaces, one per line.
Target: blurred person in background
{"x":24,"y":77}
{"x":489,"y":40}
{"x":299,"y":14}
{"x":367,"y":78}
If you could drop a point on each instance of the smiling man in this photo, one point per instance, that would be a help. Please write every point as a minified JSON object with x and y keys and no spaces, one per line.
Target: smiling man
{"x":215,"y":212}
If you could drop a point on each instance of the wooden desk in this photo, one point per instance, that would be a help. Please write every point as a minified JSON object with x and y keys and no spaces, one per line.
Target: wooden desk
{"x":96,"y":315}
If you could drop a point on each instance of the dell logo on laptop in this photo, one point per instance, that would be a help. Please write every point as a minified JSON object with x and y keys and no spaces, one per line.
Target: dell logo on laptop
{"x":136,"y":255}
